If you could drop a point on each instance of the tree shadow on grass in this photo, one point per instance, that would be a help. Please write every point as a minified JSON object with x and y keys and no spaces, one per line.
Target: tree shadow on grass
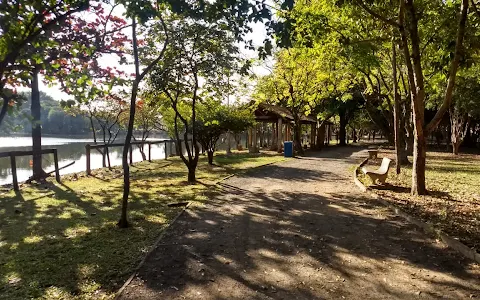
{"x":62,"y":243}
{"x":59,"y":242}
{"x":407,"y":191}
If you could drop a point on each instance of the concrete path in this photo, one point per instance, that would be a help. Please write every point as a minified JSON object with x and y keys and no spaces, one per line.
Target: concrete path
{"x":301,"y":230}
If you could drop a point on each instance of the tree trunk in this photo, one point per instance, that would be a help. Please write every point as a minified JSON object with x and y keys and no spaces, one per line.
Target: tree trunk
{"x":104,"y":157}
{"x":403,"y":137}
{"x":417,"y":93}
{"x":396,"y":110}
{"x":108,"y":158}
{"x":419,"y":160}
{"x":320,"y":137}
{"x":229,"y":143}
{"x":416,"y":79}
{"x":456,"y":147}
{"x":93,"y":129}
{"x":468,"y":139}
{"x":403,"y":145}
{"x":409,"y":144}
{"x":459,"y":125}
{"x":191,"y":173}
{"x":210,"y":157}
{"x":297,"y":128}
{"x":342,"y":132}
{"x":38,"y":172}
{"x":142,"y":151}
{"x":123,"y":222}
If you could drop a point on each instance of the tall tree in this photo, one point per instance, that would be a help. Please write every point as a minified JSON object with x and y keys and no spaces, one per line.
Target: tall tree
{"x":197,"y":54}
{"x":141,"y":13}
{"x":465,"y":107}
{"x":233,"y":15}
{"x":21,"y":25}
{"x":61,"y":53}
{"x":407,"y":26}
{"x":147,"y":119}
{"x":293,"y":85}
{"x":215,"y":119}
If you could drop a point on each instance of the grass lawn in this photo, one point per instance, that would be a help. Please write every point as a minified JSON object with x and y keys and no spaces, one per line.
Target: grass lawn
{"x":60,"y":241}
{"x":453,"y":201}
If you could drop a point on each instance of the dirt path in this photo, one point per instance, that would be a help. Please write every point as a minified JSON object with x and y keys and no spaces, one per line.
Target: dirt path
{"x":300,"y":230}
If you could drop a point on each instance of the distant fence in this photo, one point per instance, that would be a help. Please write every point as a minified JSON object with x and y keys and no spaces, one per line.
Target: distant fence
{"x":89,"y":147}
{"x":14,"y":154}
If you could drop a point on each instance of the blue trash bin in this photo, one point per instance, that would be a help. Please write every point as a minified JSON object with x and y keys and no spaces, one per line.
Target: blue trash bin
{"x":288,"y":149}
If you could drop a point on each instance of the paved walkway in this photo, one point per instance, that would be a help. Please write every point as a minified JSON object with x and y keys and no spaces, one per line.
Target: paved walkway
{"x":300,"y":230}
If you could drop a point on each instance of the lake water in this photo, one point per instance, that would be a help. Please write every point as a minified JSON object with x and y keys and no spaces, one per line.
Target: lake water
{"x":69,"y":149}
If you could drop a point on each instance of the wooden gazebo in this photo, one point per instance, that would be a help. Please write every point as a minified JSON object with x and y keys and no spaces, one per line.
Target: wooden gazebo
{"x":281,"y":121}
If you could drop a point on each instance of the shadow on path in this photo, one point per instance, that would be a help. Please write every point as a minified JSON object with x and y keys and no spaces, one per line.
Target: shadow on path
{"x":314,"y":237}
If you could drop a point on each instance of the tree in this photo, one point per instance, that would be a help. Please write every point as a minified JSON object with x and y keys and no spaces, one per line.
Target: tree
{"x":147,"y":119}
{"x":421,"y":27}
{"x":37,"y":19}
{"x":216,"y":119}
{"x":211,"y":124}
{"x":110,"y":115}
{"x":72,"y":44}
{"x":143,"y":13}
{"x":54,"y":119}
{"x":235,"y":15}
{"x":240,"y":118}
{"x":464,"y":109}
{"x":293,"y":84}
{"x":407,"y":26}
{"x":197,"y":51}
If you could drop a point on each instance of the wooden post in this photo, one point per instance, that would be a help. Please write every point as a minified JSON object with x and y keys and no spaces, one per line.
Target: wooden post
{"x":249,"y":139}
{"x":131,"y":154}
{"x":150,"y":152}
{"x":320,"y":136}
{"x":268,"y":135}
{"x":255,"y":139}
{"x":166,"y":154}
{"x":57,"y":170}
{"x":273,"y":144}
{"x":312,"y":135}
{"x":280,"y":135}
{"x":87,"y":150}
{"x":171,"y":148}
{"x":329,"y":134}
{"x":14,"y":172}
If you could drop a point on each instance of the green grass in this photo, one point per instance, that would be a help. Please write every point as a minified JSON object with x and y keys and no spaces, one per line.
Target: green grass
{"x":60,"y":241}
{"x":458,"y":176}
{"x":240,"y":160}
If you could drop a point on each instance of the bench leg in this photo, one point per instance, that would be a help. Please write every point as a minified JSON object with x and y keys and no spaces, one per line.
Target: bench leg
{"x":382,"y":179}
{"x":372,"y":178}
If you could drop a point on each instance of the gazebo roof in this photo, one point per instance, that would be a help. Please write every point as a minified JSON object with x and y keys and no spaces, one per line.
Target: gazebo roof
{"x":271,"y":113}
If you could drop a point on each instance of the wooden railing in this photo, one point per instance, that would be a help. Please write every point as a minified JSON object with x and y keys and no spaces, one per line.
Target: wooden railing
{"x":14,"y":154}
{"x":89,"y":147}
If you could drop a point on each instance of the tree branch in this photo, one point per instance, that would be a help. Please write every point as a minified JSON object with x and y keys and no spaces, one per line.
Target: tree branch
{"x":453,"y":69}
{"x":153,"y":63}
{"x":376,"y":15}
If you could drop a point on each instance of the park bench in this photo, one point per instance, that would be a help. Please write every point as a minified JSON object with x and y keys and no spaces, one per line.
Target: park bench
{"x":380,"y":174}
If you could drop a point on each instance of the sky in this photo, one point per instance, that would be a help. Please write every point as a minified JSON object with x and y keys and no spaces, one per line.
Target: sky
{"x":257,"y":36}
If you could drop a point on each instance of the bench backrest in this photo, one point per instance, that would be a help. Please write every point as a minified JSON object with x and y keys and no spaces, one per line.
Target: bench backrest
{"x":385,"y":165}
